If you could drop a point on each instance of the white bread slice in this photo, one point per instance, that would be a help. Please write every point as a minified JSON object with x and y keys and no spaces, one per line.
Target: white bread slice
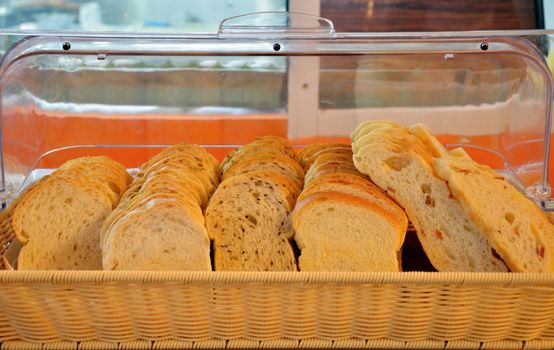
{"x":158,"y":236}
{"x":394,"y":161}
{"x":516,"y":227}
{"x":144,"y":198}
{"x":356,"y":186}
{"x":60,"y":224}
{"x":247,"y":218}
{"x":340,"y":232}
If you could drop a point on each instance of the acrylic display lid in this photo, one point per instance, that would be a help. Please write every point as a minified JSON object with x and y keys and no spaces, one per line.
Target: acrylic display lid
{"x":126,"y":95}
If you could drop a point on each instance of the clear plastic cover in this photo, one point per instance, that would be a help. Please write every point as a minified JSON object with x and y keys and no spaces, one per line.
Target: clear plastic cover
{"x":124,"y":96}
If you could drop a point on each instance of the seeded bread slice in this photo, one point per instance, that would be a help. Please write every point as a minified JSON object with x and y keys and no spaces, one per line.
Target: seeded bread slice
{"x":247,"y":218}
{"x":394,"y":162}
{"x":340,"y":232}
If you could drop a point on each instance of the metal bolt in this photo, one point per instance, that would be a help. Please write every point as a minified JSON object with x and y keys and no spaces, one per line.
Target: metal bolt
{"x":66,"y":46}
{"x":484,"y":46}
{"x":276,"y":47}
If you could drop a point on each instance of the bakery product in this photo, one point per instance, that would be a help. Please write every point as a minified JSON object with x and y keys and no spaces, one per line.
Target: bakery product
{"x":341,"y":232}
{"x":268,"y":144}
{"x":158,"y":224}
{"x":267,"y":161}
{"x":401,"y":164}
{"x":247,"y":218}
{"x":308,"y":154}
{"x":518,"y":230}
{"x":342,"y":221}
{"x":59,"y":220}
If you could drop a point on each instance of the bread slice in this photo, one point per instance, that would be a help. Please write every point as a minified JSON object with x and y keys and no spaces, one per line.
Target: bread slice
{"x":516,"y":227}
{"x":367,"y":127}
{"x":268,"y":161}
{"x":344,"y":151}
{"x":158,"y":236}
{"x":201,"y":170}
{"x":86,"y":179}
{"x":159,"y":224}
{"x":395,"y":161}
{"x":145,"y":198}
{"x":355,"y":186}
{"x":305,"y":155}
{"x":341,"y":232}
{"x":198,"y":153}
{"x":278,"y":147}
{"x":104,"y":169}
{"x":328,"y":168}
{"x":247,"y":218}
{"x":59,"y":224}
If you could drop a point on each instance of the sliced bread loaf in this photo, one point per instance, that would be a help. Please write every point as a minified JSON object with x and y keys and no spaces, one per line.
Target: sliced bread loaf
{"x":247,"y":218}
{"x":159,"y":224}
{"x":400,"y":164}
{"x":59,"y":221}
{"x":516,"y":227}
{"x":342,"y":232}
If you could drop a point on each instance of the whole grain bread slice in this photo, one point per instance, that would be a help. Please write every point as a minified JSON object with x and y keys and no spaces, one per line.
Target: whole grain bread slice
{"x":247,"y":218}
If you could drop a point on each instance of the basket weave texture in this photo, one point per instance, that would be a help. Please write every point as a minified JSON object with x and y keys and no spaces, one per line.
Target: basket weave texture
{"x":413,"y":307}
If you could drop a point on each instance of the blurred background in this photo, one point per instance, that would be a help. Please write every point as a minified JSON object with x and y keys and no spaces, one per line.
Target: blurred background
{"x":204,"y":16}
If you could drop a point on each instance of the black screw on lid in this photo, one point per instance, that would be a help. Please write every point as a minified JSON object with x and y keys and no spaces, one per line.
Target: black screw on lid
{"x":66,"y":46}
{"x":484,"y":46}
{"x":276,"y":47}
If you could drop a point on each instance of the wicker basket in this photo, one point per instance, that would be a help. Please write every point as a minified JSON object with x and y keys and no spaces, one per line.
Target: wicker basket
{"x":225,"y":309}
{"x":100,"y":309}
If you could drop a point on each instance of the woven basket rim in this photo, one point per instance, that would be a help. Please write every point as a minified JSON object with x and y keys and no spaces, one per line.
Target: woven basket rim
{"x":355,"y":278}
